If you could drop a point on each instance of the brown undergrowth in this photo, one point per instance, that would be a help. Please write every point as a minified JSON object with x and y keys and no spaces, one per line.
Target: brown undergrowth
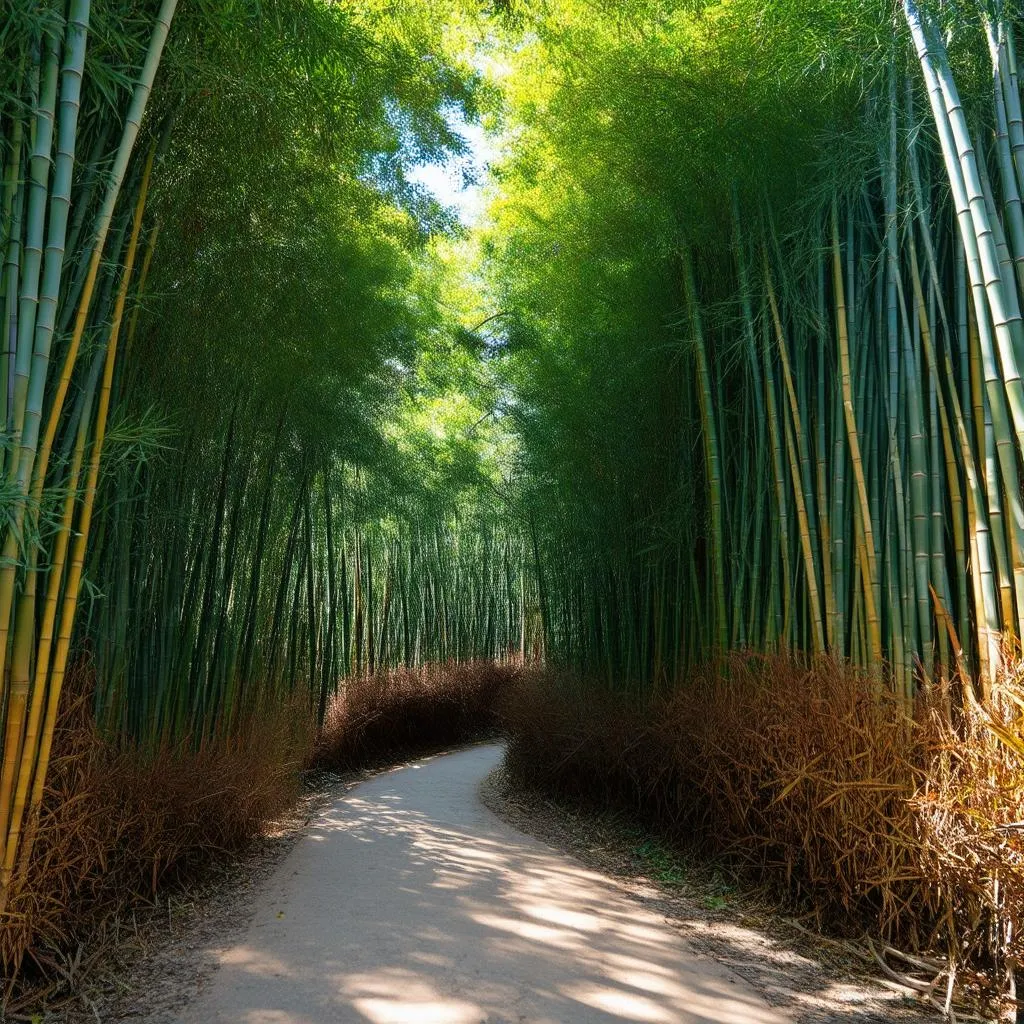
{"x":121,"y":823}
{"x":393,"y":714}
{"x":810,"y":779}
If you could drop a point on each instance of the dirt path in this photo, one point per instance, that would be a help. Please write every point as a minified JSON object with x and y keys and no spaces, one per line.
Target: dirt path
{"x":409,"y":901}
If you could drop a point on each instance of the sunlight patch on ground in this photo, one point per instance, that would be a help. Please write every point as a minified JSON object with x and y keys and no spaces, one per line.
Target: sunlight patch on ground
{"x":625,"y":1005}
{"x":255,"y":961}
{"x":399,"y":997}
{"x":564,"y":917}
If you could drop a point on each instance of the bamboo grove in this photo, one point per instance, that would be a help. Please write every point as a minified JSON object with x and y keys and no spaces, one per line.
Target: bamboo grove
{"x":209,"y":499}
{"x":271,"y":610}
{"x":779,"y":405}
{"x":734,"y":360}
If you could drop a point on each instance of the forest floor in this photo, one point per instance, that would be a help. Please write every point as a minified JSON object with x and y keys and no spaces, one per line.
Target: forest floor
{"x":401,"y":897}
{"x":812,"y":978}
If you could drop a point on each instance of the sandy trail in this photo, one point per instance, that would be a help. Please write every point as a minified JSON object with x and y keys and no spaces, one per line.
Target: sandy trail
{"x":408,"y":902}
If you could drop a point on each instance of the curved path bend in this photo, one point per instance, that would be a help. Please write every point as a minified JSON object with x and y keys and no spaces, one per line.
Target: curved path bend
{"x":408,"y":902}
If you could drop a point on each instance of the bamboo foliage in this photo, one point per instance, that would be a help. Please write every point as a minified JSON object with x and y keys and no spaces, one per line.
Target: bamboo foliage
{"x":854,"y":349}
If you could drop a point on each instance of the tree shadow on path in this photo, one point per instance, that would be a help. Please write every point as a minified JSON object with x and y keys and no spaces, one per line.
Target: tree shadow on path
{"x":408,"y":902}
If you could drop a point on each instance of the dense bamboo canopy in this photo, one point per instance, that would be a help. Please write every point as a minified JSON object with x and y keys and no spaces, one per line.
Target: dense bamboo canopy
{"x":764,"y":268}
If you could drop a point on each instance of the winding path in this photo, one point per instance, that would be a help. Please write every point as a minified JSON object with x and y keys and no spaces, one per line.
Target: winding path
{"x":408,"y":902}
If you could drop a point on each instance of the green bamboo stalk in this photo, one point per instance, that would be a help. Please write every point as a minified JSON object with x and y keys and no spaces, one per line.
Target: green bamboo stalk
{"x":711,"y":454}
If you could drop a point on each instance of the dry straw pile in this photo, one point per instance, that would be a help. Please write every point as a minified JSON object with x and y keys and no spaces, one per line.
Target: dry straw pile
{"x":120,"y":822}
{"x":379,"y":718}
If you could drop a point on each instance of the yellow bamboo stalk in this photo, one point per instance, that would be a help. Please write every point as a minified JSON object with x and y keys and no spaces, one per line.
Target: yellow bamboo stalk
{"x":780,"y":498}
{"x":70,"y":601}
{"x":801,"y":507}
{"x":54,"y":581}
{"x":147,"y":260}
{"x":987,"y":640}
{"x":825,"y":530}
{"x":18,"y":698}
{"x":865,"y":536}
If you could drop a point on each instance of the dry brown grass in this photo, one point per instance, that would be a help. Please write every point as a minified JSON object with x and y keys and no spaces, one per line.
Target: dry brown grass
{"x":118,"y":823}
{"x":405,"y":711}
{"x":815,"y":782}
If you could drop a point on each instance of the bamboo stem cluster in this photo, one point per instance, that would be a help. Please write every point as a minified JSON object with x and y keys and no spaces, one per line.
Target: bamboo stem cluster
{"x":279,"y":586}
{"x":60,"y":272}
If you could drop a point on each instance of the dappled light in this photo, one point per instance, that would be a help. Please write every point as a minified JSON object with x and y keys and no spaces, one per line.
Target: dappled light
{"x":408,"y":901}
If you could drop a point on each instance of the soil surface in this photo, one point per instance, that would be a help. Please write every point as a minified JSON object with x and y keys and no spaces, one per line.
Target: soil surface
{"x":415,"y":896}
{"x":409,"y":901}
{"x":813,"y":979}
